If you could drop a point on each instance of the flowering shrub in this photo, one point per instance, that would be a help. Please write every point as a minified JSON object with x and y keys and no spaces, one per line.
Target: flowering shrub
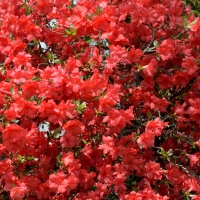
{"x":99,"y":100}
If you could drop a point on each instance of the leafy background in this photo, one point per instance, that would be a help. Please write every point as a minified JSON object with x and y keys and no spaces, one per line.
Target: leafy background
{"x":195,"y":5}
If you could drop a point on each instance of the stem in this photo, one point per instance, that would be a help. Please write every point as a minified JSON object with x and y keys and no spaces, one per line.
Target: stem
{"x":153,"y":35}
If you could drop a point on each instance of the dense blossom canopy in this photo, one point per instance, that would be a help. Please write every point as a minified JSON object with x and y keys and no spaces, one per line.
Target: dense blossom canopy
{"x":99,"y":100}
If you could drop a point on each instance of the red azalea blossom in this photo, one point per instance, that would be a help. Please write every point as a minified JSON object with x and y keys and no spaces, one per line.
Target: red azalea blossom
{"x":167,"y":49}
{"x":72,"y":129}
{"x":99,"y":100}
{"x":14,"y":138}
{"x":58,"y":183}
{"x":18,"y":192}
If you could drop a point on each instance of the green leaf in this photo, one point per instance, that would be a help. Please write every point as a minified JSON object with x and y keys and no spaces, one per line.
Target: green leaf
{"x":34,"y":78}
{"x":49,"y":55}
{"x":149,"y":114}
{"x":43,"y":98}
{"x":11,"y":89}
{"x":134,"y":188}
{"x":57,"y":61}
{"x":55,"y":133}
{"x":27,"y":8}
{"x":163,"y":152}
{"x":87,"y":39}
{"x":192,"y":23}
{"x":89,"y":16}
{"x":84,"y":141}
{"x":35,"y":41}
{"x":30,"y":158}
{"x":80,"y":106}
{"x":83,"y":105}
{"x":99,"y":10}
{"x":104,"y":93}
{"x":168,"y":159}
{"x":185,"y":21}
{"x":79,"y":112}
{"x":186,"y":197}
{"x":78,"y":102}
{"x":58,"y":158}
{"x":19,"y":157}
{"x":70,"y":31}
{"x":155,"y":43}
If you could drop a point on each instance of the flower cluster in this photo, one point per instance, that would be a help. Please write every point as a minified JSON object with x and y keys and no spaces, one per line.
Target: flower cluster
{"x":99,"y":100}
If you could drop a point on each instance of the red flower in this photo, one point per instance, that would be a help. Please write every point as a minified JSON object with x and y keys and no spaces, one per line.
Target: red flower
{"x":56,"y":52}
{"x":58,"y":183}
{"x":189,"y":65}
{"x":198,"y":143}
{"x":30,"y":88}
{"x":19,"y":191}
{"x":54,"y":113}
{"x":105,"y":174}
{"x":146,"y":140}
{"x":108,"y":144}
{"x":155,"y":127}
{"x":164,"y":81}
{"x":72,"y":164}
{"x":117,"y":119}
{"x":191,"y":184}
{"x":4,"y":165}
{"x":180,"y":78}
{"x":153,"y":172}
{"x":134,"y":55}
{"x":151,"y":68}
{"x":73,"y":128}
{"x":194,"y":109}
{"x":22,"y":59}
{"x":4,"y":44}
{"x":14,"y":138}
{"x":111,"y":98}
{"x":167,"y":49}
{"x":102,"y":24}
{"x":43,"y":7}
{"x":43,"y":191}
{"x":193,"y":159}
